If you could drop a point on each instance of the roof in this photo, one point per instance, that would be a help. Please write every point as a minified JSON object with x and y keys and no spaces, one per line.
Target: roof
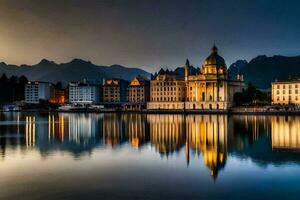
{"x":81,"y":84}
{"x":115,"y":82}
{"x":139,"y":81}
{"x":214,"y":58}
{"x":286,"y":81}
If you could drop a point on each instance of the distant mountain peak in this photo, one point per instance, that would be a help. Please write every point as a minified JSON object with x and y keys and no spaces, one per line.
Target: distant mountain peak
{"x":75,"y":70}
{"x":79,"y":61}
{"x":44,"y":61}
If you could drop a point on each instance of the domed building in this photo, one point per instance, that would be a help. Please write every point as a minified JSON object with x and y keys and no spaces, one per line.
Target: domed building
{"x":208,"y":89}
{"x":214,"y":64}
{"x":211,"y":88}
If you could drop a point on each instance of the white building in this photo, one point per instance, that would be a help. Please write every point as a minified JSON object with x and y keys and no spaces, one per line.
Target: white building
{"x":84,"y":93}
{"x":36,"y":91}
{"x":286,"y":92}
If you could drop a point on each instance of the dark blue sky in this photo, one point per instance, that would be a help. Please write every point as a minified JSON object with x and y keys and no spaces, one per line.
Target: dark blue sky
{"x":147,"y":33}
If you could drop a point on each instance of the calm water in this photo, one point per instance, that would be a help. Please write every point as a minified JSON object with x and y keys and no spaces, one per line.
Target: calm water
{"x":134,"y":156}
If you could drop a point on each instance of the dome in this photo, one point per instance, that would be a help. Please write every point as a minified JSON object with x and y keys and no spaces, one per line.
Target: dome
{"x":214,"y":58}
{"x":214,"y":64}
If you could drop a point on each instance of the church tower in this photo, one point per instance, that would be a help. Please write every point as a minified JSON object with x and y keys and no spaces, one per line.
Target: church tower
{"x":186,"y":70}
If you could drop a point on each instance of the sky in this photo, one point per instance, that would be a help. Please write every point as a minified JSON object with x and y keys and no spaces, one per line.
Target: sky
{"x":149,"y":34}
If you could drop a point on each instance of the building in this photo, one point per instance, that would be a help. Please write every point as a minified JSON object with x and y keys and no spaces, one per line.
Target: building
{"x":286,"y":92}
{"x":167,"y":91}
{"x":138,"y":93}
{"x":285,"y":133}
{"x":84,"y":93}
{"x":58,"y":95}
{"x":208,"y":89}
{"x":115,"y":92}
{"x":36,"y":91}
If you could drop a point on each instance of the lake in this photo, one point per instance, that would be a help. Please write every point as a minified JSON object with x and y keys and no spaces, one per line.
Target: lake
{"x":139,"y":156}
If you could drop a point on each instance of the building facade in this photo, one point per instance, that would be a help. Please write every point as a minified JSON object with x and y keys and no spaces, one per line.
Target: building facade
{"x":84,"y":93}
{"x":115,"y":92}
{"x":58,"y":95}
{"x":286,"y":92}
{"x":138,"y":93}
{"x":36,"y":91}
{"x":208,"y":89}
{"x":167,"y":91}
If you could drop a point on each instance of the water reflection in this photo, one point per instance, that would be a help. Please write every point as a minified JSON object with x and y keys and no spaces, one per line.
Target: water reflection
{"x":285,"y":133}
{"x":212,"y":138}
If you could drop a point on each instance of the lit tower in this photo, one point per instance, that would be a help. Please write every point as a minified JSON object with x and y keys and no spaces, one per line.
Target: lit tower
{"x":186,"y":70}
{"x":186,"y":77}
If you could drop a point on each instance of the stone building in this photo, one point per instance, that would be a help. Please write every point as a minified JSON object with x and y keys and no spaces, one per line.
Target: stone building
{"x":208,"y":89}
{"x":115,"y":92}
{"x":138,"y":93}
{"x":167,"y":91}
{"x":286,"y":92}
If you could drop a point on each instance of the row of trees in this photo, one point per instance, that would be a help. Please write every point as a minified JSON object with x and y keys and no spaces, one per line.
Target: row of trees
{"x":252,"y":96}
{"x":12,"y":88}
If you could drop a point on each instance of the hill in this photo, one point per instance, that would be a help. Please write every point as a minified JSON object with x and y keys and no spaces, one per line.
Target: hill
{"x":262,"y":70}
{"x":74,"y":70}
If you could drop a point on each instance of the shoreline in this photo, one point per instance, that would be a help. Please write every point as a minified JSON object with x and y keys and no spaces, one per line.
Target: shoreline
{"x":186,"y":112}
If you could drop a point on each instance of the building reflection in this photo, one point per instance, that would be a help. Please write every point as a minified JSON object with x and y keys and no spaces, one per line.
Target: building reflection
{"x":30,"y":131}
{"x":285,"y":133}
{"x":208,"y":135}
{"x":167,"y":133}
{"x":113,"y":129}
{"x":205,"y":135}
{"x":56,"y":127}
{"x":246,"y":130}
{"x":136,"y":129}
{"x":263,"y":139}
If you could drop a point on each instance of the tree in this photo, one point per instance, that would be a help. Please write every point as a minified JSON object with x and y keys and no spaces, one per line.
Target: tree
{"x":251,"y":96}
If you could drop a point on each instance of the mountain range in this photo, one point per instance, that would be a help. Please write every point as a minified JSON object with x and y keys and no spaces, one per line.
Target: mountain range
{"x":74,"y":70}
{"x":262,"y":70}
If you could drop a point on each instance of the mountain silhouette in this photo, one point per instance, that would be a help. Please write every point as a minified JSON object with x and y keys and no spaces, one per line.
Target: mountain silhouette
{"x":262,"y":70}
{"x":74,"y":70}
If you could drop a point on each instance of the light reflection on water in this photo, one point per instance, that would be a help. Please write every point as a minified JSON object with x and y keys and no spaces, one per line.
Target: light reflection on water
{"x":152,"y":156}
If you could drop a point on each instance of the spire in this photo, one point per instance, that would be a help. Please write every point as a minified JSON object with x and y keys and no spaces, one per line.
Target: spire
{"x":187,"y":62}
{"x":214,"y":49}
{"x":186,"y":69}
